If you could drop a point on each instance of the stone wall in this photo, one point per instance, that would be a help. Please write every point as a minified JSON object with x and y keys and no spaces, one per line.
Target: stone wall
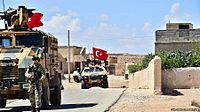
{"x":149,"y":78}
{"x":181,"y":39}
{"x":181,"y":78}
{"x":174,"y":46}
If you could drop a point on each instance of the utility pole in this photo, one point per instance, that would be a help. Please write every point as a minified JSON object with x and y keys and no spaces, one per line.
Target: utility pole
{"x":69,"y":55}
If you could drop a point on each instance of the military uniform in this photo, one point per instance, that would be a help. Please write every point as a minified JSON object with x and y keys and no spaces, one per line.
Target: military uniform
{"x":35,"y":74}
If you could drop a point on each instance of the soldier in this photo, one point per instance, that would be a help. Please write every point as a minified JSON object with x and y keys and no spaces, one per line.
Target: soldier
{"x":35,"y":75}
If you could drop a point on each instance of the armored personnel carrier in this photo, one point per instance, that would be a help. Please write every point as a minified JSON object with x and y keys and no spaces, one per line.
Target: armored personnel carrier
{"x":18,"y":44}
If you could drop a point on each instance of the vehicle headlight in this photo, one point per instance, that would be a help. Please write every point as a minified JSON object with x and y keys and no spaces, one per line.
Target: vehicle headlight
{"x":85,"y":77}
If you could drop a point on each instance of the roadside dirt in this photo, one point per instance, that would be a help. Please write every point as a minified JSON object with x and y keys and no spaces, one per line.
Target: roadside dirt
{"x":140,"y":100}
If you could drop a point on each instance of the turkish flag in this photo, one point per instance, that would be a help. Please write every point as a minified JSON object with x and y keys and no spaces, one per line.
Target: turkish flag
{"x":100,"y":54}
{"x":35,"y":20}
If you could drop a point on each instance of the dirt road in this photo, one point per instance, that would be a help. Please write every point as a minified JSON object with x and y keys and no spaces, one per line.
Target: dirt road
{"x":140,"y":100}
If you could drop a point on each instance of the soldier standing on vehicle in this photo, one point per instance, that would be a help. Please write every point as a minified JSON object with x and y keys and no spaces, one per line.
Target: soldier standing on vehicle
{"x":35,"y":74}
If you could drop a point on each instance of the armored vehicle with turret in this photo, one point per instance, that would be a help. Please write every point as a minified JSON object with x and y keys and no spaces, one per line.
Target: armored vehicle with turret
{"x":18,"y":44}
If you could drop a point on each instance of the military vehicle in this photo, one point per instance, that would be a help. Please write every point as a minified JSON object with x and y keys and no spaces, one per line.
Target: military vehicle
{"x":18,"y":44}
{"x":94,"y":75}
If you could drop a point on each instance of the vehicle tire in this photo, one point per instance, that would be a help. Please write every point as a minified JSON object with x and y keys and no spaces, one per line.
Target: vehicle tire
{"x":105,"y":83}
{"x":84,"y":85}
{"x":2,"y":102}
{"x":45,"y":95}
{"x":76,"y":79}
{"x":55,"y":95}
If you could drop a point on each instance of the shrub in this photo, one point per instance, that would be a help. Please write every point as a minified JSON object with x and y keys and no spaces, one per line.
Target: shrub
{"x":135,"y":67}
{"x":169,"y":60}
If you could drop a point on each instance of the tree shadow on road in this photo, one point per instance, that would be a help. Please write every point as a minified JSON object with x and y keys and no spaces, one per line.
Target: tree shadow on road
{"x":62,"y":106}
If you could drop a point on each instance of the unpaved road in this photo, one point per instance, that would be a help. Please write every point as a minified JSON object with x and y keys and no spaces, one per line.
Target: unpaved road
{"x":140,"y":100}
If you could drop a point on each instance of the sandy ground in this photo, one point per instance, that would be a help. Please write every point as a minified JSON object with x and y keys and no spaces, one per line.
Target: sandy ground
{"x":140,"y":100}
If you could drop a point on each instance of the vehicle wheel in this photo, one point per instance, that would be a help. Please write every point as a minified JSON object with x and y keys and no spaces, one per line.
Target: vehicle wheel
{"x":45,"y":95}
{"x":105,"y":83}
{"x":55,"y":95}
{"x":84,"y":85}
{"x":76,"y":79}
{"x":2,"y":102}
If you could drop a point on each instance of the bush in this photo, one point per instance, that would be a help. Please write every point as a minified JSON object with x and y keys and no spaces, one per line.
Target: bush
{"x":135,"y":67}
{"x":169,"y":60}
{"x":142,"y":65}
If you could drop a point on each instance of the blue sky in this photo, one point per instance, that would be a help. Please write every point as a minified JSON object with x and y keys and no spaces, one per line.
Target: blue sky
{"x":126,"y":26}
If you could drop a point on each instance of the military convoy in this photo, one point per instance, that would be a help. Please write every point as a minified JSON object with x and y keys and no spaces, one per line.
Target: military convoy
{"x":18,"y":45}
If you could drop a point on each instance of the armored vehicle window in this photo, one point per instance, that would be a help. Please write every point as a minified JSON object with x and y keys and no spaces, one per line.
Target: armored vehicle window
{"x":13,"y":50}
{"x":91,"y":69}
{"x":5,"y":41}
{"x":98,"y":69}
{"x":29,"y":40}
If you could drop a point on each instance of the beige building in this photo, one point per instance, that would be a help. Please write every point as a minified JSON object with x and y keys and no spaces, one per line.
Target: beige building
{"x":117,"y":62}
{"x":177,"y":36}
{"x":77,"y":56}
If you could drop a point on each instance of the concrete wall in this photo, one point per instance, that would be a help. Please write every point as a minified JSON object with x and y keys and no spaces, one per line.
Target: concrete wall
{"x":149,"y":78}
{"x":181,"y":78}
{"x":181,"y":39}
{"x":182,"y":46}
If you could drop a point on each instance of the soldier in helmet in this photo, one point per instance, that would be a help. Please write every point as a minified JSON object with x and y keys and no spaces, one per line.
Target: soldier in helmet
{"x":35,"y":74}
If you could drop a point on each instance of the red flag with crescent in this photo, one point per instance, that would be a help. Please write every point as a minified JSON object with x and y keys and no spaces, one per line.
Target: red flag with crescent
{"x":100,"y":54}
{"x":35,"y":20}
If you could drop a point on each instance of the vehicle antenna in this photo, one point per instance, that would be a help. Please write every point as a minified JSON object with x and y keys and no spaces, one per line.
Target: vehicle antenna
{"x":3,"y":3}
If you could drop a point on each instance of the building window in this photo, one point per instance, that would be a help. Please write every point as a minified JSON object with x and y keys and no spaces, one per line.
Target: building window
{"x":184,"y":27}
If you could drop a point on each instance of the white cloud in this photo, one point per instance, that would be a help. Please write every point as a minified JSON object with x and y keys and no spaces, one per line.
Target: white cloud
{"x":113,"y":38}
{"x":175,"y":7}
{"x":146,"y":26}
{"x":60,"y":23}
{"x":116,"y":39}
{"x":173,"y":15}
{"x":104,"y":17}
